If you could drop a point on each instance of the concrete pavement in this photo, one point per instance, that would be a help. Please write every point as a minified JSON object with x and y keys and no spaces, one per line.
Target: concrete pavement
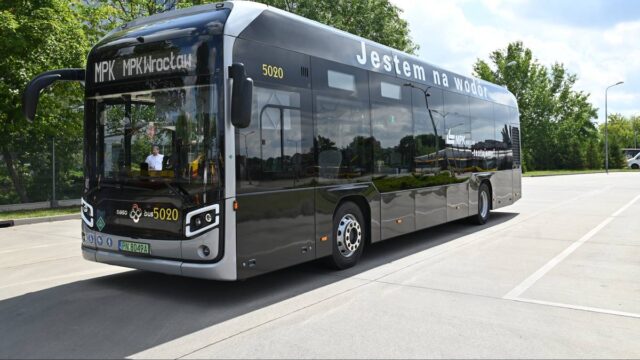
{"x":553,"y":276}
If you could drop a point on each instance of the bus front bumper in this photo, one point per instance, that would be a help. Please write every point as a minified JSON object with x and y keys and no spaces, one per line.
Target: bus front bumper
{"x":210,"y":271}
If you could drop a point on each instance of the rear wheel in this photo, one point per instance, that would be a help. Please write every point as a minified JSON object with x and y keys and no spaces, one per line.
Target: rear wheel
{"x":635,"y":166}
{"x":484,"y":205}
{"x":349,"y":234}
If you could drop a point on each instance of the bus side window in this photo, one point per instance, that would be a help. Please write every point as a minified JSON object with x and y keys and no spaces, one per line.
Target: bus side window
{"x":392,"y":127}
{"x":273,"y":150}
{"x":457,"y":132}
{"x":343,"y":127}
{"x":482,"y":134}
{"x":428,"y":120}
{"x":504,"y":153}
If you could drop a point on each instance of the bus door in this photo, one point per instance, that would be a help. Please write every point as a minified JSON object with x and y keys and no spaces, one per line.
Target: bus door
{"x":274,"y":163}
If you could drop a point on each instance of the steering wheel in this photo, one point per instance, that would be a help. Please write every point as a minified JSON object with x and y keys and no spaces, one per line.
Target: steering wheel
{"x":167,"y":162}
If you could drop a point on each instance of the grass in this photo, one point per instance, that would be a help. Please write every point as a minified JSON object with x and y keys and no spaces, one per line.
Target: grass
{"x":571,"y":172}
{"x":23,"y":214}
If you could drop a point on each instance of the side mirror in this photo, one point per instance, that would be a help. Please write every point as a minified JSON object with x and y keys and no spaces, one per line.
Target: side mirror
{"x":241,"y":96}
{"x":32,"y":92}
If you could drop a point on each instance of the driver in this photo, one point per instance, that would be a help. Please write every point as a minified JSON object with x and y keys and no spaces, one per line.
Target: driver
{"x":155,"y":159}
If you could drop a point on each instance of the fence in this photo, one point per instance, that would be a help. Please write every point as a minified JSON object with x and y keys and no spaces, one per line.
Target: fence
{"x":50,"y":175}
{"x":39,"y":205}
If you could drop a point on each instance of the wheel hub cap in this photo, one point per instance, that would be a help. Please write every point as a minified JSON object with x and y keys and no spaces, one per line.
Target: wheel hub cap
{"x":485,"y":204}
{"x":349,"y":235}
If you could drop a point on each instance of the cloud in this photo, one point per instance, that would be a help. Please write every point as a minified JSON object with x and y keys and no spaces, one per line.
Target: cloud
{"x":454,"y":34}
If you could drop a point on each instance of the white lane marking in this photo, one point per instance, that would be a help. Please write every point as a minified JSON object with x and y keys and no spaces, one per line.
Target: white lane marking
{"x":578,"y":307}
{"x":533,"y":278}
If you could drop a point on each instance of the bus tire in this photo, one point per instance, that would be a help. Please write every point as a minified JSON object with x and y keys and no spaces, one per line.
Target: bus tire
{"x":349,"y":234}
{"x":484,"y":205}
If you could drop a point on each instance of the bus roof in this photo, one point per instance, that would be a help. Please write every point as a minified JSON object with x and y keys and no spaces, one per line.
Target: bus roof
{"x":275,"y":27}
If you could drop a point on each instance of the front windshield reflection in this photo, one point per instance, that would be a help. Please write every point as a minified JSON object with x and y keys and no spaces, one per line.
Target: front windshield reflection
{"x":161,"y":135}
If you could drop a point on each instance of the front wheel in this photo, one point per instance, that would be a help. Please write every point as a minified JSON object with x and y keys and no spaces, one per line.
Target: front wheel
{"x":635,"y":166}
{"x":349,"y":234}
{"x":484,"y":205}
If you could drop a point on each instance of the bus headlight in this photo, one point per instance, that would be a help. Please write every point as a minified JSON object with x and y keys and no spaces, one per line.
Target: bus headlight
{"x":86,"y":212}
{"x":201,"y":220}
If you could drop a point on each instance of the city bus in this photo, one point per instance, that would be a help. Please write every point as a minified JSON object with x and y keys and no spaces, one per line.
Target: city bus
{"x":228,"y":140}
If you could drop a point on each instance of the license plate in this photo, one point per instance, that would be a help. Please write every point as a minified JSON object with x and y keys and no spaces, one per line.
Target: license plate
{"x":134,"y":247}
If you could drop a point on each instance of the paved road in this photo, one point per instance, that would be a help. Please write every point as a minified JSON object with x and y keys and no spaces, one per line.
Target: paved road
{"x":556,"y":275}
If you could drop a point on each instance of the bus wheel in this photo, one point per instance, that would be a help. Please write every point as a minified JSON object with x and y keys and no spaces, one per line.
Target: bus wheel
{"x":349,"y":235}
{"x":484,"y":205}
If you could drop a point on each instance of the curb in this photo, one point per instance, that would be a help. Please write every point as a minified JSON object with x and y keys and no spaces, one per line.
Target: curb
{"x":38,"y":220}
{"x":585,"y":173}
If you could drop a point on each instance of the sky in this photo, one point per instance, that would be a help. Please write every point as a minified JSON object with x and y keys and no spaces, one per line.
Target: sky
{"x":598,"y":40}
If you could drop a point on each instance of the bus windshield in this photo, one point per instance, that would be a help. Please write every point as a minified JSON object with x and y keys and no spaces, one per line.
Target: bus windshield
{"x":166,"y":135}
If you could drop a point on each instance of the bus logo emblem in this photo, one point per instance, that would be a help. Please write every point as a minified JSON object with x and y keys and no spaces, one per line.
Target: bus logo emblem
{"x":135,"y":213}
{"x":100,"y":223}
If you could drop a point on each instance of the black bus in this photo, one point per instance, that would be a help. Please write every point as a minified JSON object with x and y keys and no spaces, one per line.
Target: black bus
{"x":228,"y":140}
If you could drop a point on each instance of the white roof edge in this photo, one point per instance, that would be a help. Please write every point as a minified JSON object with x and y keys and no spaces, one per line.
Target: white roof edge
{"x":242,"y":14}
{"x":247,"y":11}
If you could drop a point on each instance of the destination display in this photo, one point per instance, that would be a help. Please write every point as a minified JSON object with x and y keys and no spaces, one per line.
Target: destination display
{"x":112,"y":70}
{"x":167,"y":58}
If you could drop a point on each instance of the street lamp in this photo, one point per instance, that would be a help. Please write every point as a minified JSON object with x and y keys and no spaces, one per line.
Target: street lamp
{"x":606,"y":131}
{"x":426,"y":99}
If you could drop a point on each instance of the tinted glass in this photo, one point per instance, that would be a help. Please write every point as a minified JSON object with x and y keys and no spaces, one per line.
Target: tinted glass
{"x":430,"y":160}
{"x":504,"y":152}
{"x":275,"y":151}
{"x":343,"y":139}
{"x":343,"y":126}
{"x":457,"y":132}
{"x":392,"y":127}
{"x":482,"y":135}
{"x":428,"y":131}
{"x":166,"y":135}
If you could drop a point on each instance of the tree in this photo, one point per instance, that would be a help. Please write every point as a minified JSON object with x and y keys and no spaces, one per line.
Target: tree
{"x":623,"y":133}
{"x":376,"y":20}
{"x":557,"y":131}
{"x":104,"y":15}
{"x":41,"y":35}
{"x":34,"y":37}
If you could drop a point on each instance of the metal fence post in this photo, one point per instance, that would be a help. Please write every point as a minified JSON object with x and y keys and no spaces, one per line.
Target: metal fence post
{"x":54,"y":203}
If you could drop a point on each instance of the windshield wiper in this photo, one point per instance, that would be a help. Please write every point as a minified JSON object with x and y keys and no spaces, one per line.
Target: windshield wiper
{"x":180,"y":191}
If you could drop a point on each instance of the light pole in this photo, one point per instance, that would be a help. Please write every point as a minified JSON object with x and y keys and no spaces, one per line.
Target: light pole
{"x":246,"y":151}
{"x":606,"y":130}
{"x":426,"y":100}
